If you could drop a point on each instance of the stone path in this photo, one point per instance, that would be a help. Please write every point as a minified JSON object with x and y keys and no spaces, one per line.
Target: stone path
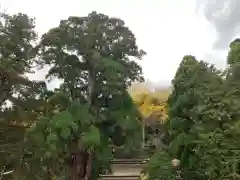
{"x":125,"y":169}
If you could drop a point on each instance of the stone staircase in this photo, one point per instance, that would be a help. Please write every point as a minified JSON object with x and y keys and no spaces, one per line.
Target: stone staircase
{"x":125,"y":169}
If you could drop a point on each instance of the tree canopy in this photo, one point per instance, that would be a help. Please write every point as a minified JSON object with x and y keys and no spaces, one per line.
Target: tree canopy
{"x":203,"y":126}
{"x":70,"y":132}
{"x":67,"y":132}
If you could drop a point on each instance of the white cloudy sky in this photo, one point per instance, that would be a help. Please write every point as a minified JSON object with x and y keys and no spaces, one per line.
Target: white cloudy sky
{"x":166,"y":29}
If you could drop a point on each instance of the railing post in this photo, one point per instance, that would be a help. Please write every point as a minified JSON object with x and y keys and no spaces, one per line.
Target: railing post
{"x":143,"y":134}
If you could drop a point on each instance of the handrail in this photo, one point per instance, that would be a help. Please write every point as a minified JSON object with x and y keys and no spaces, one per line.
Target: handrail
{"x":129,"y":161}
{"x":118,"y":176}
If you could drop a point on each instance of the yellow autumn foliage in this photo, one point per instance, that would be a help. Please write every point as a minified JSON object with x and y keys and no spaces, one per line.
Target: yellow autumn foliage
{"x":152,"y":105}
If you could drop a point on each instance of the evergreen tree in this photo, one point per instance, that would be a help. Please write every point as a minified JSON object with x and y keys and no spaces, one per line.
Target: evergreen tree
{"x":92,"y":56}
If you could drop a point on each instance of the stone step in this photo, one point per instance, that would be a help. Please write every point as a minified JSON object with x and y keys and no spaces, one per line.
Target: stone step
{"x":127,"y":166}
{"x":125,"y":169}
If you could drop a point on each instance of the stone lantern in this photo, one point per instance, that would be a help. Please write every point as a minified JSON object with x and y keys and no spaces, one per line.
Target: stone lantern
{"x":175,"y":162}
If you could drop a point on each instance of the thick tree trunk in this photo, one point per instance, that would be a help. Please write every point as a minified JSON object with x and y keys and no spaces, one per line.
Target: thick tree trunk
{"x":81,"y":166}
{"x":81,"y":163}
{"x":88,"y":166}
{"x":76,"y":162}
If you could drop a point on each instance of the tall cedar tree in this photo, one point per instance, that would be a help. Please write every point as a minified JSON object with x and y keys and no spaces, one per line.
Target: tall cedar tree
{"x":93,"y":55}
{"x":192,"y":87}
{"x":218,"y":124}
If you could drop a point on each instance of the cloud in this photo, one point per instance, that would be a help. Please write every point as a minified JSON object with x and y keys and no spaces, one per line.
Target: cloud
{"x":40,"y":75}
{"x":224,"y":16}
{"x":218,"y":58}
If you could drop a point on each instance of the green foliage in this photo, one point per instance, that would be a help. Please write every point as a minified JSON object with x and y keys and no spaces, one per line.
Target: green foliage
{"x":91,"y":110}
{"x":54,"y":133}
{"x":160,"y":167}
{"x":202,"y":131}
{"x":17,"y":57}
{"x":86,"y":113}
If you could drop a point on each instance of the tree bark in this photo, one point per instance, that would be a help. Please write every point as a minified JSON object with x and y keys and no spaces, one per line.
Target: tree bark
{"x":81,"y":162}
{"x":76,"y":161}
{"x":81,"y":166}
{"x":88,"y":166}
